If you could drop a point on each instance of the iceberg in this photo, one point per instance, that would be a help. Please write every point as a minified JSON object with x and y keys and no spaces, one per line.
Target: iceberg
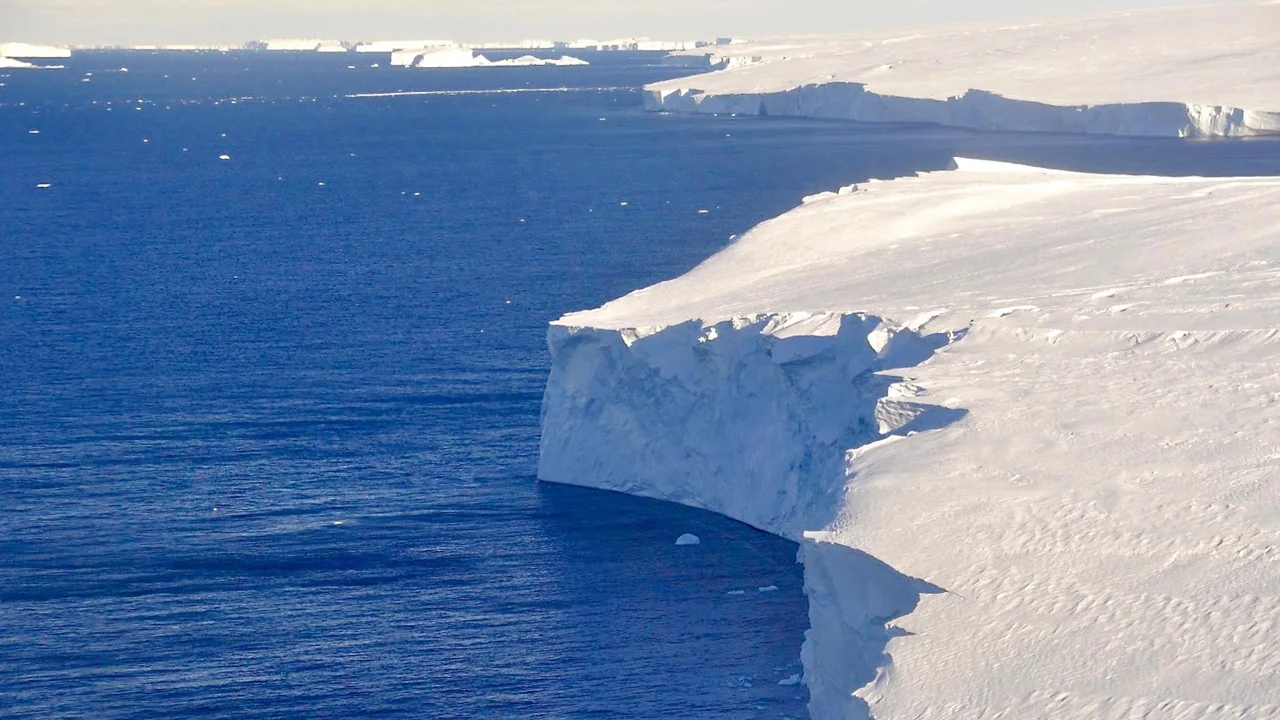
{"x":7,"y":63}
{"x":1021,"y":422}
{"x":27,"y":50}
{"x":466,"y":58}
{"x":1180,"y":72}
{"x":10,"y":63}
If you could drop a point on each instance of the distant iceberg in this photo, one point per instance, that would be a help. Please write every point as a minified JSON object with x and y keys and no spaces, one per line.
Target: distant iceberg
{"x":27,"y":50}
{"x":8,"y":63}
{"x":464,"y":58}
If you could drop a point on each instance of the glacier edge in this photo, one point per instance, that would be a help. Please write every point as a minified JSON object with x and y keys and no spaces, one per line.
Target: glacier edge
{"x":754,"y":418}
{"x":974,"y":110}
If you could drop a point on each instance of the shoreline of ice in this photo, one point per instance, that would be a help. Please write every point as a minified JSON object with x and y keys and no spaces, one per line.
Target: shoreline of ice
{"x":1177,"y":72}
{"x":989,"y":443}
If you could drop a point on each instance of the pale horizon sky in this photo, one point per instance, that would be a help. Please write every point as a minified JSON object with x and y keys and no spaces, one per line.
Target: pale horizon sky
{"x":134,"y":22}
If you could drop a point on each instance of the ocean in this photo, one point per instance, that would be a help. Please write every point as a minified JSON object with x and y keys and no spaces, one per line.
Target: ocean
{"x":271,"y":364}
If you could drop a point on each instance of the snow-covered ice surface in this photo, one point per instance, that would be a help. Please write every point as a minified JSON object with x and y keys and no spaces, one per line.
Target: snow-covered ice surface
{"x":1025,"y":425}
{"x":28,"y":50}
{"x":1212,"y":70}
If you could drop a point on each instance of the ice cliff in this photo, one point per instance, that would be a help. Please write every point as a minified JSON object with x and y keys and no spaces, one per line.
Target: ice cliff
{"x":1181,"y":72}
{"x":466,"y":58}
{"x":1023,"y":424}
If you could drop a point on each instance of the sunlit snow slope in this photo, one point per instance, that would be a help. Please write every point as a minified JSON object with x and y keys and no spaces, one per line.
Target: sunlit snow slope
{"x":1025,"y":424}
{"x":1180,"y":72}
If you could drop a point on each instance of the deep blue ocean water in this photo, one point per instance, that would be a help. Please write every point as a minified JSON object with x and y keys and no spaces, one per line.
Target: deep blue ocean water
{"x":269,"y":425}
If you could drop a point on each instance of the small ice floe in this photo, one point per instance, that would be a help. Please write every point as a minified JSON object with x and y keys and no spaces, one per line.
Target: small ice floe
{"x":624,"y":203}
{"x":793,"y":680}
{"x":736,"y":592}
{"x":337,"y":522}
{"x":224,"y":156}
{"x":145,"y":140}
{"x":688,"y":539}
{"x":42,"y":186}
{"x":351,"y":67}
{"x":321,"y":184}
{"x":374,"y":65}
{"x":33,"y":132}
{"x":703,"y":212}
{"x":768,"y":588}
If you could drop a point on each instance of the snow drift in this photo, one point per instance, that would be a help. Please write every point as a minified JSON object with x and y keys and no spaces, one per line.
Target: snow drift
{"x":1181,"y":72}
{"x":1022,"y":423}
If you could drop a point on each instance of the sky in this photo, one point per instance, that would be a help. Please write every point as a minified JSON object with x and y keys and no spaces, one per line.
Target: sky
{"x":87,"y":22}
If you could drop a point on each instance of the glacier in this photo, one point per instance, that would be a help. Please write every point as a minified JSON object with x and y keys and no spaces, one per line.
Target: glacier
{"x":1179,"y":72}
{"x":1024,"y":425}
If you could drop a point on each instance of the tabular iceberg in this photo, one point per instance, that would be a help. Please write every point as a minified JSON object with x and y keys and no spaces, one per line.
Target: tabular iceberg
{"x":1022,"y":422}
{"x":466,"y":58}
{"x":1178,"y":72}
{"x":28,"y":50}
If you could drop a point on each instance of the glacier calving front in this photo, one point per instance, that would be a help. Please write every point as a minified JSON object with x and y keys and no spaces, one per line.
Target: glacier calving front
{"x":1025,"y":425}
{"x":1182,"y":72}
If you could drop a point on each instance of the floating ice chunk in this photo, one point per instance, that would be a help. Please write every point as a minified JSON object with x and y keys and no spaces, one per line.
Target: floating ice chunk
{"x":768,"y":588}
{"x":623,"y":204}
{"x":33,"y":132}
{"x":44,"y":185}
{"x":224,"y":156}
{"x":688,"y":539}
{"x":703,"y":212}
{"x":337,"y":522}
{"x":736,"y":592}
{"x":793,"y":680}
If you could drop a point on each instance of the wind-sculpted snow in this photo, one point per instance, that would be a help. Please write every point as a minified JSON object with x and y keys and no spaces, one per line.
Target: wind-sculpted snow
{"x":1180,"y":72}
{"x":1022,"y":422}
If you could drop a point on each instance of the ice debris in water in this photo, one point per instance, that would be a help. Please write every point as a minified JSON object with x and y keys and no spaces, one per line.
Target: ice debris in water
{"x":768,"y":588}
{"x":793,"y":680}
{"x":736,"y":592}
{"x":687,"y":539}
{"x":224,"y":156}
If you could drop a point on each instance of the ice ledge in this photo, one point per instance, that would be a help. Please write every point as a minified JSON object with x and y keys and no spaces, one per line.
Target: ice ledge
{"x":1088,"y":473}
{"x":1178,"y":71}
{"x":977,"y":110}
{"x":754,"y":417}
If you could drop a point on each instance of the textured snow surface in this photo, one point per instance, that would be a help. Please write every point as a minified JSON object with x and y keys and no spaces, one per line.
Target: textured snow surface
{"x":1211,"y":70}
{"x":1025,"y":425}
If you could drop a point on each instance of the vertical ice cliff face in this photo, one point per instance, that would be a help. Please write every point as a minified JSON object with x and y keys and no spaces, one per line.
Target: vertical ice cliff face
{"x":753,"y":418}
{"x":1171,"y":72}
{"x":1093,"y":483}
{"x":975,"y":109}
